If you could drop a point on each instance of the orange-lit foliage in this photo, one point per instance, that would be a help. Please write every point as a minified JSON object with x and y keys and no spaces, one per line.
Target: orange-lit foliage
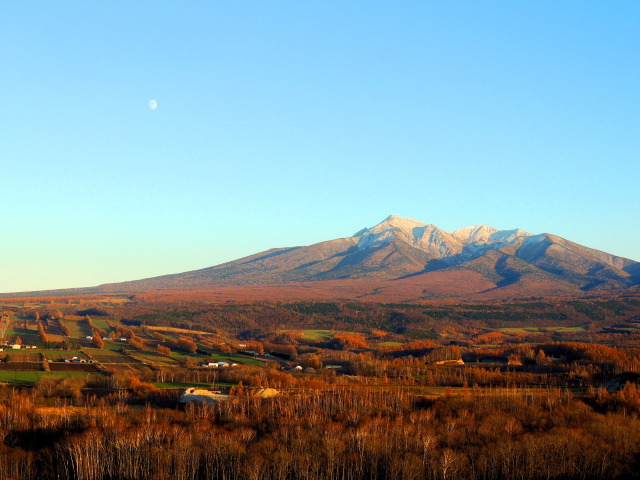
{"x":162,"y":350}
{"x":344,"y":340}
{"x":491,"y":337}
{"x":43,"y":335}
{"x":97,"y":340}
{"x":378,"y":334}
{"x":187,"y":344}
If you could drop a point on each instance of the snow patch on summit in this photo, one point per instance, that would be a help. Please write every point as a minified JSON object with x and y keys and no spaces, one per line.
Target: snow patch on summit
{"x":469,"y":242}
{"x":427,"y":238}
{"x":475,"y":233}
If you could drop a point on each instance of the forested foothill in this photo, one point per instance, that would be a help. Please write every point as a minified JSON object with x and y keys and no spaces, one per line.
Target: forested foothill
{"x":93,"y":387}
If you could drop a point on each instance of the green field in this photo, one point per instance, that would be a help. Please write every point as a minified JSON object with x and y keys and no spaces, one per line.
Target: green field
{"x":183,"y":385}
{"x":574,"y":329}
{"x":181,"y":354}
{"x":153,"y":358}
{"x":223,"y":357}
{"x":22,"y":332}
{"x":78,"y":328}
{"x":389,"y":344}
{"x":107,"y":356}
{"x":61,"y":355}
{"x":318,"y":335}
{"x":116,"y":346}
{"x":33,"y":377}
{"x":27,"y":335}
{"x":22,"y":319}
{"x":99,"y":322}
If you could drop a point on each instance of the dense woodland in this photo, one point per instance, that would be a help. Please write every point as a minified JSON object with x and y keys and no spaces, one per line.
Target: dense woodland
{"x":523,"y":389}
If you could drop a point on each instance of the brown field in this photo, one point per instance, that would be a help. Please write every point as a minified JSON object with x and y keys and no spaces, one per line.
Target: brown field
{"x":120,"y":368}
{"x":54,"y":329}
{"x":63,"y":354}
{"x":121,"y":359}
{"x":73,"y":367}
{"x":20,"y":366}
{"x":178,"y":330}
{"x":18,"y":356}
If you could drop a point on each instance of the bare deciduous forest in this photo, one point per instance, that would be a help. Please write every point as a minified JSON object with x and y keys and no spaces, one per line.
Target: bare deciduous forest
{"x":92,"y":389}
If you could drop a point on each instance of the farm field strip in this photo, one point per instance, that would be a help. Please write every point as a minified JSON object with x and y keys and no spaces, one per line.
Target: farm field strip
{"x":574,"y":329}
{"x":318,"y":335}
{"x":116,"y":346}
{"x":102,"y":323}
{"x":73,"y":367}
{"x":78,"y":328}
{"x":179,"y":330}
{"x":236,"y":359}
{"x":107,"y":356}
{"x":61,"y":356}
{"x":16,"y":328}
{"x":152,"y":357}
{"x":19,"y":356}
{"x":25,"y":377}
{"x":20,"y":366}
{"x":122,"y":359}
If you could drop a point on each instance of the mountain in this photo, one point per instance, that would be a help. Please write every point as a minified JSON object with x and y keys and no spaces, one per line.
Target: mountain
{"x":402,"y":253}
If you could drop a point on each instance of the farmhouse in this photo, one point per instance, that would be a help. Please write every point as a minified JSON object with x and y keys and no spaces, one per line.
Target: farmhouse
{"x":75,"y":360}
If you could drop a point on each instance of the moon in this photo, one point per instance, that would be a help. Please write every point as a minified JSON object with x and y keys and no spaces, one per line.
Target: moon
{"x":153,"y":104}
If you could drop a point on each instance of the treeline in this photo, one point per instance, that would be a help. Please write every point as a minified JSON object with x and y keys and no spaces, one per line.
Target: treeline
{"x":344,"y":434}
{"x":600,"y":320}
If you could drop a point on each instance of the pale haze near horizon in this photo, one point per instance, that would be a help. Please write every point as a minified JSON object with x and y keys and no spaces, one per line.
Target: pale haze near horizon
{"x":292,"y":123}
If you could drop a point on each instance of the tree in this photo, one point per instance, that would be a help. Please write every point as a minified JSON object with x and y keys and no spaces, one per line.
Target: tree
{"x":188,"y":345}
{"x":97,"y":340}
{"x":137,"y":343}
{"x":162,"y":350}
{"x":43,"y":335}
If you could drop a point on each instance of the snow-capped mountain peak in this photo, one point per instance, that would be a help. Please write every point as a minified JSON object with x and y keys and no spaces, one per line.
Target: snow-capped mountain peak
{"x":475,"y":233}
{"x":425,"y":237}
{"x":466,"y":242}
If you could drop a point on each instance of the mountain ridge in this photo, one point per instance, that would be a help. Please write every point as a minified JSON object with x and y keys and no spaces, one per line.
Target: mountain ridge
{"x":399,"y":249}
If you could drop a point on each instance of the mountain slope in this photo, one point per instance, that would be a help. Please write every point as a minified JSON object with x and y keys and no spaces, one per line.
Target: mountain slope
{"x":580,"y":265}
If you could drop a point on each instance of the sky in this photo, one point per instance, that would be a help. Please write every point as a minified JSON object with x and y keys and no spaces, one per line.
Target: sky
{"x":288,"y":123}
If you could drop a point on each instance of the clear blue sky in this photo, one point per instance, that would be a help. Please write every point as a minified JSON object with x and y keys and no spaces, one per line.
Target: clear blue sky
{"x":287,"y":123}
